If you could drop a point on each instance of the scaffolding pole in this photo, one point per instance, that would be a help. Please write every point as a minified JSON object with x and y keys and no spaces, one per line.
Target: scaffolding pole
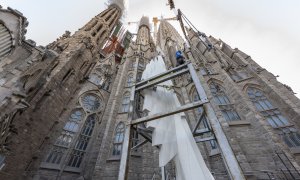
{"x":230,"y":161}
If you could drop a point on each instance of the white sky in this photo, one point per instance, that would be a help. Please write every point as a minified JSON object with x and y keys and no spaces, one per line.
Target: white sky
{"x":267,"y":30}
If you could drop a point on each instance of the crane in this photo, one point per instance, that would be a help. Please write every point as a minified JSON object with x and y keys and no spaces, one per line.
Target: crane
{"x":155,"y":20}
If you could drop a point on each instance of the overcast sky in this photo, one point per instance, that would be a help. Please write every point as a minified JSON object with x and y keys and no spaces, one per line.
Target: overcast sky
{"x":267,"y":30}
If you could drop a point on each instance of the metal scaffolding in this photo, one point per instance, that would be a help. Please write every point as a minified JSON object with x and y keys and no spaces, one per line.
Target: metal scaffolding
{"x":208,"y":114}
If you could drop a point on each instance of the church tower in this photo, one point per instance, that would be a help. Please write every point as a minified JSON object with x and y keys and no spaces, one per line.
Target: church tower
{"x":66,"y":109}
{"x":39,"y":85}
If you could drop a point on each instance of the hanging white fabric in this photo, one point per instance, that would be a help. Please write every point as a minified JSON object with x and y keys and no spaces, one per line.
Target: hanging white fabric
{"x":172,"y":133}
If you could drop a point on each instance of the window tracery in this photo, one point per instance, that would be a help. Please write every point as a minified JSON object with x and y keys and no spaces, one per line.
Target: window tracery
{"x":118,"y":139}
{"x":125,"y":103}
{"x":265,"y":107}
{"x":227,"y":109}
{"x":91,"y":102}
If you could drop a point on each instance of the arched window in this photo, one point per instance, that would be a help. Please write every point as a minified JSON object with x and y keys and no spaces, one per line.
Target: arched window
{"x":82,"y":142}
{"x":6,"y":41}
{"x":130,"y":80}
{"x":125,"y":102}
{"x":118,"y":140}
{"x":228,"y":110}
{"x":265,"y":107}
{"x":63,"y":142}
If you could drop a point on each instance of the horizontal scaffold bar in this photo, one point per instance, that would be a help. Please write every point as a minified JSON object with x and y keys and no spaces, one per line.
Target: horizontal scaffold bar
{"x":198,"y":139}
{"x":183,"y":108}
{"x":184,"y":66}
{"x":162,"y":79}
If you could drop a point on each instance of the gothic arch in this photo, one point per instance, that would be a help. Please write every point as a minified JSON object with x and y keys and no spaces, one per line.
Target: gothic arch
{"x":217,"y":81}
{"x":253,"y":85}
{"x":118,"y":139}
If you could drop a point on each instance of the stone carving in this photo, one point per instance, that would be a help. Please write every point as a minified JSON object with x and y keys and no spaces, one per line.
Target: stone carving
{"x":60,"y":44}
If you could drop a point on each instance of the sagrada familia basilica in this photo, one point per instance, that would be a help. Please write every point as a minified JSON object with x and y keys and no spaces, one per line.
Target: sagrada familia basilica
{"x":74,"y":110}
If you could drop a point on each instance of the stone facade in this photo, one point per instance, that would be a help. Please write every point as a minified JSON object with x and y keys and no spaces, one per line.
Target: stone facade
{"x":64,"y":108}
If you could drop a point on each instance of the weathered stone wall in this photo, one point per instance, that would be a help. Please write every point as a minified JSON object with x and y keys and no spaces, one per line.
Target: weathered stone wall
{"x":48,"y":83}
{"x":254,"y":142}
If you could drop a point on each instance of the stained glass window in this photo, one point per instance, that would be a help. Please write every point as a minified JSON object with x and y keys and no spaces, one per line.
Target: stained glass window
{"x":82,"y":142}
{"x":265,"y":107}
{"x":227,"y":109}
{"x":56,"y":154}
{"x":91,"y":102}
{"x":118,"y":139}
{"x":125,"y":103}
{"x":64,"y":140}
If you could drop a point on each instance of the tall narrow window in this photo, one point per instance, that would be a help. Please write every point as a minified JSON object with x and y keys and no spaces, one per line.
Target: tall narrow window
{"x":292,"y":139}
{"x":228,"y":110}
{"x":6,"y":41}
{"x":118,"y":139}
{"x":265,"y":107}
{"x":130,"y":80}
{"x":82,"y":142}
{"x":125,"y":103}
{"x":63,"y":142}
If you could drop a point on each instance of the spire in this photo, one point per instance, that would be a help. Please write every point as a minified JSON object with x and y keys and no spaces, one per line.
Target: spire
{"x":144,"y":22}
{"x":122,"y":4}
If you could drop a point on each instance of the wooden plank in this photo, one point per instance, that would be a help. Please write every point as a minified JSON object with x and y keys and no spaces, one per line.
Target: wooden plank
{"x":161,"y":74}
{"x":171,"y":76}
{"x":161,"y":115}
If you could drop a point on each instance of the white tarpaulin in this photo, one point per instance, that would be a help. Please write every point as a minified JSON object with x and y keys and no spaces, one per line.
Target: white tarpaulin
{"x":172,"y":133}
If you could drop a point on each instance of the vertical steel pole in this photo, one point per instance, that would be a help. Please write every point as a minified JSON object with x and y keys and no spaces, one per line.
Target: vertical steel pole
{"x":123,"y":170}
{"x":230,"y":160}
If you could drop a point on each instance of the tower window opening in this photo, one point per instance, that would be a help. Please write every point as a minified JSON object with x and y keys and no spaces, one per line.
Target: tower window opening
{"x":125,"y":103}
{"x":118,"y":139}
{"x":130,"y":80}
